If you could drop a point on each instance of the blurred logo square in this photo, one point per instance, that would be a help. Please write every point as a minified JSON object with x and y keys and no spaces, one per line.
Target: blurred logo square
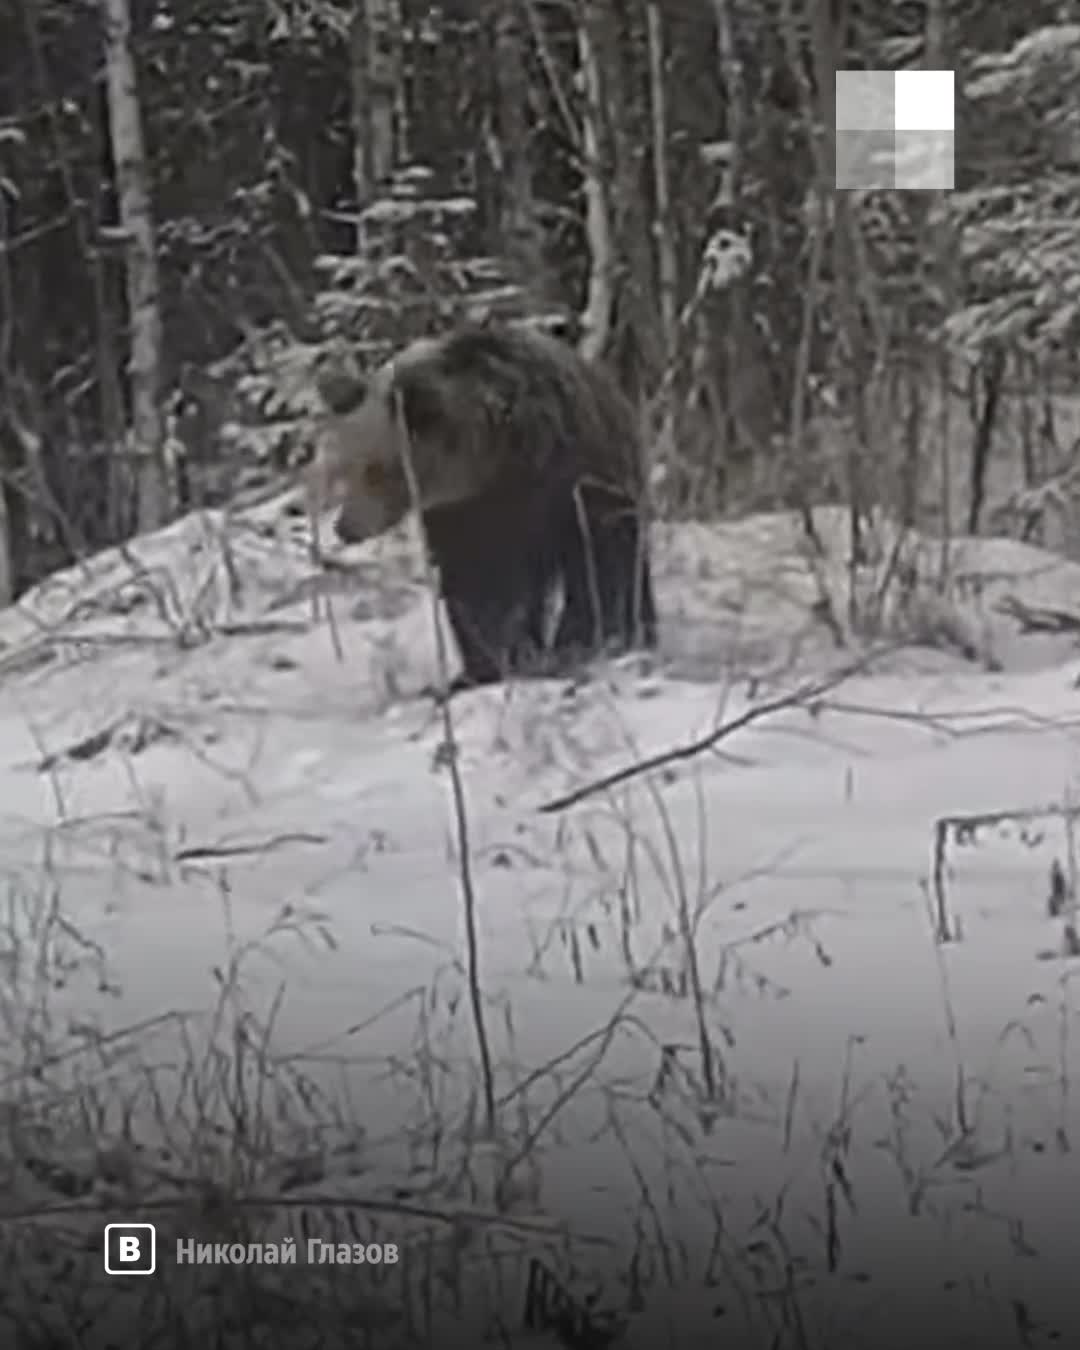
{"x":130,"y":1249}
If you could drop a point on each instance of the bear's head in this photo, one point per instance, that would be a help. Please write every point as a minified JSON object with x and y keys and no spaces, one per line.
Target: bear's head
{"x":411,"y":419}
{"x":359,"y":467}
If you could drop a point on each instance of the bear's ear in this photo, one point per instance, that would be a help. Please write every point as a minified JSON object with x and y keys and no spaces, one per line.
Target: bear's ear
{"x":340,"y":390}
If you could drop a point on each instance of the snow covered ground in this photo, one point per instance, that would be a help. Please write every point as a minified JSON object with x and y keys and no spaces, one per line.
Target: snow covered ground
{"x":214,"y":800}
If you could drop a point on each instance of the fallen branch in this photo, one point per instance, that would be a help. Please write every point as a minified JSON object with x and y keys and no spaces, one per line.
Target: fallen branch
{"x":805,"y":694}
{"x":203,"y":852}
{"x":142,"y":732}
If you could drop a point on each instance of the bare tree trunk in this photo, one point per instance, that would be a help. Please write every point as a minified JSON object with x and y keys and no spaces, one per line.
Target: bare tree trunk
{"x":633,"y":346}
{"x":745,"y":428}
{"x":87,"y":229}
{"x":934,"y":59}
{"x":383,"y":28}
{"x":731,"y":73}
{"x":7,"y":554}
{"x":914,"y":395}
{"x":359,"y":113}
{"x":376,"y":106}
{"x":666,"y":259}
{"x":600,"y":301}
{"x":519,"y":225}
{"x":667,"y":263}
{"x":8,"y":544}
{"x":990,"y":377}
{"x":1027,"y":374}
{"x":110,"y":391}
{"x":137,"y":222}
{"x":855,"y":364}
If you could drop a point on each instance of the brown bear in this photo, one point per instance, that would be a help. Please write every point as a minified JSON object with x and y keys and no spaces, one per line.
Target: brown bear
{"x":529,"y":475}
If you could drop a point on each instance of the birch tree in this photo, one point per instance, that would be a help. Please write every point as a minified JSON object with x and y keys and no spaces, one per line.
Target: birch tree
{"x":600,"y":300}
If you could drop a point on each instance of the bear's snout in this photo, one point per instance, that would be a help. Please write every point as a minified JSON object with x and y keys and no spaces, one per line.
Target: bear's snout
{"x":364,"y":517}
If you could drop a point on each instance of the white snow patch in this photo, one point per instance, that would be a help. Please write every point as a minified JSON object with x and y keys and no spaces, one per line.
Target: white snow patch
{"x":253,"y":771}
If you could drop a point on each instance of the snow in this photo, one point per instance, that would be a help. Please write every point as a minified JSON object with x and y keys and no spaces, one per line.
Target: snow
{"x":270,"y":827}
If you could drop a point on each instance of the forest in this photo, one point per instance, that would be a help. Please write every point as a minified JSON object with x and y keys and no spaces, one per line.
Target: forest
{"x":202,"y":199}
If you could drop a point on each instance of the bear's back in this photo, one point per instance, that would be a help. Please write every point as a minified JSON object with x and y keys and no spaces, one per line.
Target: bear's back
{"x":543,"y":403}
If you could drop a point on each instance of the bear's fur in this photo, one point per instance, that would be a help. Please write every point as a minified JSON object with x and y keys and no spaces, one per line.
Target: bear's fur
{"x":529,"y":473}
